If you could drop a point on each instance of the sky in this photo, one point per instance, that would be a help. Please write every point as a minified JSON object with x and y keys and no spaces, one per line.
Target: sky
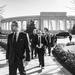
{"x":15,"y":8}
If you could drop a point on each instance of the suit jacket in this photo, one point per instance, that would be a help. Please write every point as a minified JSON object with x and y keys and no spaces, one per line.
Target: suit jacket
{"x":32,"y":38}
{"x":43,"y":41}
{"x":48,"y":38}
{"x":17,"y":50}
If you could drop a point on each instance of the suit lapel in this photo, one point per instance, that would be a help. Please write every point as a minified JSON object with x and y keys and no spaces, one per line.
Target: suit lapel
{"x":18,"y":37}
{"x":12,"y":37}
{"x":40,"y":39}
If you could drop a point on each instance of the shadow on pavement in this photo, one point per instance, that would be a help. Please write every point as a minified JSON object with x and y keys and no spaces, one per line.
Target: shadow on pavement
{"x":50,"y":65}
{"x":46,"y":73}
{"x":37,"y":71}
{"x":2,"y":49}
{"x":4,"y":52}
{"x":60,"y":72}
{"x":32,"y":68}
{"x":3,"y":65}
{"x":2,"y":59}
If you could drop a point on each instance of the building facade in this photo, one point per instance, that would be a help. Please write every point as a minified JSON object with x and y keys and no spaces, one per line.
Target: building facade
{"x":51,"y":20}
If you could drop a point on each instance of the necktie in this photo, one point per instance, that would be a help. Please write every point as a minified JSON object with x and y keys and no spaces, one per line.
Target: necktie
{"x":14,"y":40}
{"x":49,"y":39}
{"x":39,"y":39}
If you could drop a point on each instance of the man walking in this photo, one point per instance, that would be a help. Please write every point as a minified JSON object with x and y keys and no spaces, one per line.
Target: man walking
{"x":48,"y":38}
{"x":33,"y":46}
{"x":17,"y":47}
{"x":40,"y":45}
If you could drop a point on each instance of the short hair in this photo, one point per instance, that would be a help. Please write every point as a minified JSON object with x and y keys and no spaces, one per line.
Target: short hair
{"x":46,"y":29}
{"x":39,"y":31}
{"x":16,"y":24}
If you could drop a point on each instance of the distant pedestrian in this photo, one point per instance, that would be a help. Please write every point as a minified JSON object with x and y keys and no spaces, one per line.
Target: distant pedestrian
{"x":54,"y":39}
{"x":48,"y":38}
{"x":70,"y":37}
{"x":33,"y":46}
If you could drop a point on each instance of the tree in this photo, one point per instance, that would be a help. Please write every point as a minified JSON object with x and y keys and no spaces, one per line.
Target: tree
{"x":73,"y":29}
{"x":30,"y":27}
{"x":1,"y":9}
{"x":72,"y":6}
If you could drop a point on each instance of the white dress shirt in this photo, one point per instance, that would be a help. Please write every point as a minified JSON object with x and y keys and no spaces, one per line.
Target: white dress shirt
{"x":17,"y":35}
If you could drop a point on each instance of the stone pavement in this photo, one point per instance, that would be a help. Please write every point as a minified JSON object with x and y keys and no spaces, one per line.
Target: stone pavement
{"x":52,"y":67}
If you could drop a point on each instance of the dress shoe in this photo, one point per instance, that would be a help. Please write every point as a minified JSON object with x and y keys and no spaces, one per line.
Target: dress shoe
{"x":42,"y":67}
{"x":39,"y":65}
{"x":25,"y":73}
{"x":32,"y":58}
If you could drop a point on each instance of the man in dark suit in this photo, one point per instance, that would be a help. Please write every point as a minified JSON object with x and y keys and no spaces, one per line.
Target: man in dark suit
{"x":33,"y":46}
{"x":48,"y":38}
{"x":17,"y":50}
{"x":40,"y":45}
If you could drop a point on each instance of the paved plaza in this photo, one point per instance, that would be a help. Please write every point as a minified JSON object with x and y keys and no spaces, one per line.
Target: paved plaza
{"x":52,"y":67}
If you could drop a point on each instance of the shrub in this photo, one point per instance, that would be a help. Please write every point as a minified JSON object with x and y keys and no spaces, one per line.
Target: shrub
{"x":67,"y":59}
{"x":70,"y":43}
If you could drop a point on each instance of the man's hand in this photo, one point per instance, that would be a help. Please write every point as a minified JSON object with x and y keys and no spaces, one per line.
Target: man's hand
{"x":36,"y":45}
{"x":41,"y":44}
{"x":25,"y":63}
{"x":23,"y":60}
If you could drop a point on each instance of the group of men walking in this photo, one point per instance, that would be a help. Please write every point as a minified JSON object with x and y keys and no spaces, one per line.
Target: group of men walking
{"x":20,"y":46}
{"x":49,"y":38}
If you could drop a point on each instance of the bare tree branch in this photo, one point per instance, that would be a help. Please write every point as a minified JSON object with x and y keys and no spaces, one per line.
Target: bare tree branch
{"x":1,"y":9}
{"x":2,"y":6}
{"x":72,"y":2}
{"x":73,"y":7}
